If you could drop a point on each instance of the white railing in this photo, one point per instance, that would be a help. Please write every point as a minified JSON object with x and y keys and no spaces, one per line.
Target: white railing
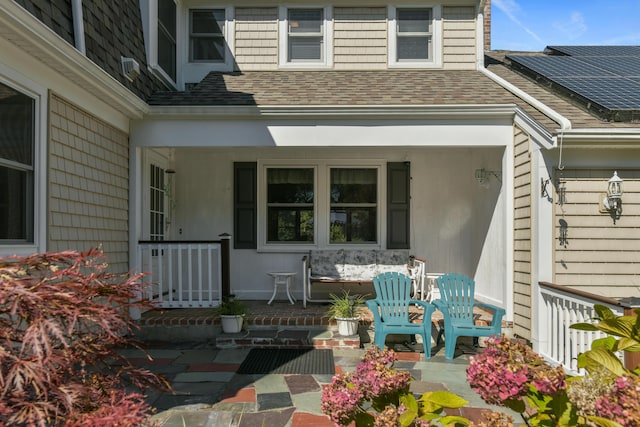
{"x":563,"y":307}
{"x":181,"y":274}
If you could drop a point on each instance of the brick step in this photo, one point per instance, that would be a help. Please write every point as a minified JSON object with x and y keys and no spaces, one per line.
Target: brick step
{"x":296,"y":337}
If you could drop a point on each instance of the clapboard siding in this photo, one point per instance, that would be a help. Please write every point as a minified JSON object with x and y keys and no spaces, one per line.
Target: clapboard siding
{"x":360,"y":37}
{"x":256,"y":38}
{"x":594,"y":282}
{"x":459,"y":37}
{"x":522,"y":235}
{"x":601,"y":254}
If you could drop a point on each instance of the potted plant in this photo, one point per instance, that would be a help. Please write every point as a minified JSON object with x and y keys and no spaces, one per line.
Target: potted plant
{"x":345,"y":309}
{"x":231,"y":313}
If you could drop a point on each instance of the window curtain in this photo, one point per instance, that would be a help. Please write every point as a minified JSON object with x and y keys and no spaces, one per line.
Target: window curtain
{"x":353,"y":176}
{"x":289,"y":176}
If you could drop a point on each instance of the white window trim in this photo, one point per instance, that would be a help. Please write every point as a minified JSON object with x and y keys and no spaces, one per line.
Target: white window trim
{"x":436,"y":40}
{"x":321,"y":204}
{"x":229,"y":38}
{"x":283,"y":32}
{"x":39,"y":94}
{"x":152,"y":42}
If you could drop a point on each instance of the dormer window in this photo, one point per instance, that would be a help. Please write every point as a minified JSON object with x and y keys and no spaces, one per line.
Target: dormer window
{"x":167,"y":37}
{"x":206,"y":35}
{"x":305,"y":36}
{"x":414,"y":36}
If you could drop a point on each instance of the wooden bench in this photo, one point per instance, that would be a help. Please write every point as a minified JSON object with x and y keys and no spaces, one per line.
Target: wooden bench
{"x":349,"y":266}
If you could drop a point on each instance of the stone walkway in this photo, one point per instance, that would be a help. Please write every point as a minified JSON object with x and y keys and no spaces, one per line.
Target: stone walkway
{"x":208,"y":392}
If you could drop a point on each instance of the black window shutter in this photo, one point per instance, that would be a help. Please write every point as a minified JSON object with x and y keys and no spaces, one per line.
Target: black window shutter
{"x":245,"y":206}
{"x":398,"y":199}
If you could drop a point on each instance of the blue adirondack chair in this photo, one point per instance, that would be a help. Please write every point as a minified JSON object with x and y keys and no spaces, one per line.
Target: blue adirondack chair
{"x":456,"y":304}
{"x":391,"y":310}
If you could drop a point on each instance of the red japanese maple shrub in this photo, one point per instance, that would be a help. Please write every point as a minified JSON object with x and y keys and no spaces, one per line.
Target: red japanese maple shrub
{"x":62,"y":318}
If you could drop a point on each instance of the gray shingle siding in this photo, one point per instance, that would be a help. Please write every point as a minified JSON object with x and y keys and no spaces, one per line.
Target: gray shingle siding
{"x":112,"y":30}
{"x":55,"y":14}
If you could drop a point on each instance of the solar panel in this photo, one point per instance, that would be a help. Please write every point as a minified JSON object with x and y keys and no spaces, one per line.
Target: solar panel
{"x":606,"y":75}
{"x":626,"y":66}
{"x":597,"y":50}
{"x":559,"y":66}
{"x":615,"y":93}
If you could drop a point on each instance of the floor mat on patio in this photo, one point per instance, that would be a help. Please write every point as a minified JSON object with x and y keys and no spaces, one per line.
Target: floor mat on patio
{"x":288,"y":361}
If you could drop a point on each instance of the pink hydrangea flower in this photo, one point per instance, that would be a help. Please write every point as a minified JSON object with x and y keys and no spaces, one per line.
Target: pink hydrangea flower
{"x":622,"y":405}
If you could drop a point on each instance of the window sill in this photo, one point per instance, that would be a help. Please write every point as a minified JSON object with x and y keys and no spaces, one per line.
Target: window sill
{"x":414,"y":65}
{"x":306,"y":65}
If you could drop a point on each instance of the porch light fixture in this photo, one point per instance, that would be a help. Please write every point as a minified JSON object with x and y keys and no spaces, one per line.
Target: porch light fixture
{"x":612,"y":201}
{"x":483,"y":175}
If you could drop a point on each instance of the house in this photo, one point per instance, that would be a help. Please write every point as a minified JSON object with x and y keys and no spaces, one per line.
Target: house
{"x":565,"y":233}
{"x":302,"y":126}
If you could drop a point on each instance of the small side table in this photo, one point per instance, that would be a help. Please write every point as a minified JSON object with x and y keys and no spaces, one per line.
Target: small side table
{"x":281,"y":278}
{"x":434,"y":291}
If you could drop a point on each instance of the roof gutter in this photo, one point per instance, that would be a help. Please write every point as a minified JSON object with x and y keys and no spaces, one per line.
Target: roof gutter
{"x":432,"y":111}
{"x":603,"y":138}
{"x":564,"y":123}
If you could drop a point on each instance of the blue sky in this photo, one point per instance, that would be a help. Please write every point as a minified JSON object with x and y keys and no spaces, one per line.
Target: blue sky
{"x":535,"y":24}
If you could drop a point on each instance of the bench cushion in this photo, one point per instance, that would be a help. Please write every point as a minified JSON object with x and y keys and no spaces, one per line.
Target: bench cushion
{"x":359,"y":265}
{"x":356,"y":265}
{"x":327,"y":264}
{"x":392,"y":261}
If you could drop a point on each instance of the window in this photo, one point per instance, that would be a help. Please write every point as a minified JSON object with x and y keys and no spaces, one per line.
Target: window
{"x":290,"y":205}
{"x":306,"y":204}
{"x":167,"y":37}
{"x":17,"y":141}
{"x":206,"y":35}
{"x":305,"y":36}
{"x":413,"y":42}
{"x":413,"y":36}
{"x":157,"y":194}
{"x":353,"y":205}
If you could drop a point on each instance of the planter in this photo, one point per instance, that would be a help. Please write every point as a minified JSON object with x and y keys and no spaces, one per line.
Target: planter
{"x":347,"y":326}
{"x":231,"y":323}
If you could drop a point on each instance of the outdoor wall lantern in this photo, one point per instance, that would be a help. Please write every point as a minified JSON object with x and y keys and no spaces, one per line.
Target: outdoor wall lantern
{"x":612,"y":201}
{"x":483,"y":175}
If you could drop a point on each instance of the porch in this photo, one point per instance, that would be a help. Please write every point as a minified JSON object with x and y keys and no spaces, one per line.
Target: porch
{"x":278,"y":325}
{"x":198,"y":196}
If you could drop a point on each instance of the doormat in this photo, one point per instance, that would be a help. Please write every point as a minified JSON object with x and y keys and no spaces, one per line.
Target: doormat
{"x":303,"y":361}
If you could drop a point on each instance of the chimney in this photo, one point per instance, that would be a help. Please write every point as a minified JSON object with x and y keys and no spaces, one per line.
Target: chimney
{"x":487,"y":25}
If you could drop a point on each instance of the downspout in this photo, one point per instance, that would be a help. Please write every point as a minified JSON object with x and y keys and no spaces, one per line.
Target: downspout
{"x":564,"y":123}
{"x":78,"y":26}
